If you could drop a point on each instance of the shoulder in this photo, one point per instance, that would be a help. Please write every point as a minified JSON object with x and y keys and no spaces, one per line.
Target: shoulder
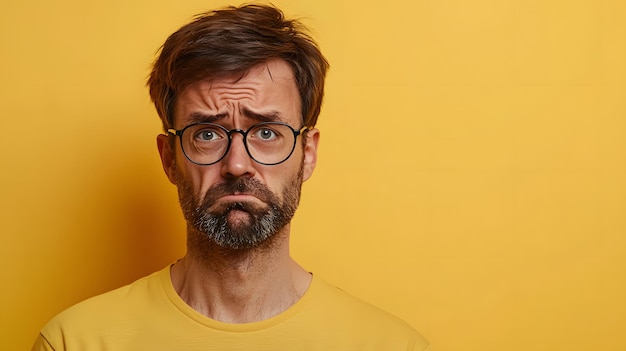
{"x":337,"y":301}
{"x":353,"y":315}
{"x":119,"y":299}
{"x":106,"y":311}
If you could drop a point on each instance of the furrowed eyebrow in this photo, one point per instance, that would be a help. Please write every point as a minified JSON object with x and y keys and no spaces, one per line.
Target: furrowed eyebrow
{"x":198,"y":117}
{"x":270,"y":116}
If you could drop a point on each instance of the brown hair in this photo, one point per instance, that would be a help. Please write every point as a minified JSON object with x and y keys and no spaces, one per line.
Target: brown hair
{"x":230,"y":41}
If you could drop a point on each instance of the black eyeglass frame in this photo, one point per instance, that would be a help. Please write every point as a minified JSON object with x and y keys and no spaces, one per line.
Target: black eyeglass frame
{"x":296,"y":133}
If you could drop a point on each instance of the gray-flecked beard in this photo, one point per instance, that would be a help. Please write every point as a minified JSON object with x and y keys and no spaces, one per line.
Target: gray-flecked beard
{"x":263,"y":222}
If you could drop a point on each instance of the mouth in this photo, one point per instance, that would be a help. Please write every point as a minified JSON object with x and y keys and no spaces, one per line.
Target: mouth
{"x":240,"y":198}
{"x":248,"y":193}
{"x":238,"y":202}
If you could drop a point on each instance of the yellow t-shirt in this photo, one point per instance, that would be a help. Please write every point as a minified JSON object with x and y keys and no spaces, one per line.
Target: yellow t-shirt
{"x":149,"y":315}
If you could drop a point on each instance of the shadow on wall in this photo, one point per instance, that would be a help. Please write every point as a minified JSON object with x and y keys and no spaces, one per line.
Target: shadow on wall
{"x":96,"y":213}
{"x":124,"y":219}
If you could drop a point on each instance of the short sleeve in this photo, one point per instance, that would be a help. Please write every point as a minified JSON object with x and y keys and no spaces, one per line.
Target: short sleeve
{"x":42,"y":344}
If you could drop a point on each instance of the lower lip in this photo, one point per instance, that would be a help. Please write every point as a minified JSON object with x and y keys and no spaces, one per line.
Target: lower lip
{"x":237,"y":198}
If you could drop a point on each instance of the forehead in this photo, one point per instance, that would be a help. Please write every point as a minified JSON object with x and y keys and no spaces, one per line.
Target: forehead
{"x":267,"y":88}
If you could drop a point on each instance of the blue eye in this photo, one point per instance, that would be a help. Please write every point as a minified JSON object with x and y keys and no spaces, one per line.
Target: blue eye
{"x":207,"y":134}
{"x":266,"y":134}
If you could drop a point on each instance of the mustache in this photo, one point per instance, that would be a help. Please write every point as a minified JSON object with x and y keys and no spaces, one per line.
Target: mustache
{"x":241,"y":185}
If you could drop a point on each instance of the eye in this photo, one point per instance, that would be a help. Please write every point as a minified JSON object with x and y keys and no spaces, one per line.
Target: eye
{"x":265,"y":134}
{"x":207,"y":134}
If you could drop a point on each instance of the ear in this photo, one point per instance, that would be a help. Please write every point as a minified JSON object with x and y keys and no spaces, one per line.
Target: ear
{"x":310,"y":153}
{"x":168,"y":157}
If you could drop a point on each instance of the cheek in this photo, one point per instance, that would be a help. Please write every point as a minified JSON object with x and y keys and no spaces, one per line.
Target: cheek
{"x":203,"y":179}
{"x":198,"y":178}
{"x":299,"y":165}
{"x":282,"y":176}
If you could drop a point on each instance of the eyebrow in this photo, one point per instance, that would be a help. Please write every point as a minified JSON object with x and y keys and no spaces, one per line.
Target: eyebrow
{"x":199,"y":117}
{"x":269,"y":116}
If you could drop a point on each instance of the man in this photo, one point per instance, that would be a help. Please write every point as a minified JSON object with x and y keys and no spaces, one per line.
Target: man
{"x":238,"y":91}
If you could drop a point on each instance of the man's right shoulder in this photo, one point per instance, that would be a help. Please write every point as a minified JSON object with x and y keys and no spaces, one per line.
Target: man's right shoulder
{"x":104,"y":312}
{"x":115,"y":301}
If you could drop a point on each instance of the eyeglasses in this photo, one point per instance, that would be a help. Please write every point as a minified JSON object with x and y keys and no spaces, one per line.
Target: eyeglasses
{"x":267,"y":143}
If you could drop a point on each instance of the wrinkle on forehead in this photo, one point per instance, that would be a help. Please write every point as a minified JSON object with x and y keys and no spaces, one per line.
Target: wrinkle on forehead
{"x":269,"y":73}
{"x":282,"y":70}
{"x":270,"y":86}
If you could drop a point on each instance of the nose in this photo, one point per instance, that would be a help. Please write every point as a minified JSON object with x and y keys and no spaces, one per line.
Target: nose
{"x":237,"y":162}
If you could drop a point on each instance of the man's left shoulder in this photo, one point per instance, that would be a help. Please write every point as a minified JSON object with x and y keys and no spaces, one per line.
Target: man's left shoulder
{"x":340,"y":302}
{"x":353,"y":314}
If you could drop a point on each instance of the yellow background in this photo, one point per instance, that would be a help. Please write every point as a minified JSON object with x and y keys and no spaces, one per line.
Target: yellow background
{"x":472,"y":174}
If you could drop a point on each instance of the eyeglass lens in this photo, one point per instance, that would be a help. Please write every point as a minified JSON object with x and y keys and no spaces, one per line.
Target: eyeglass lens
{"x":266,"y":143}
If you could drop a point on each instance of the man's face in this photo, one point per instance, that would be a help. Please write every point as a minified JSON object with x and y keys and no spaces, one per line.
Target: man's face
{"x":238,"y":203}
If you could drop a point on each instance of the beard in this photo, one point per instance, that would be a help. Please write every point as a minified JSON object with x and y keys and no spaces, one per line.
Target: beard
{"x":260,"y":223}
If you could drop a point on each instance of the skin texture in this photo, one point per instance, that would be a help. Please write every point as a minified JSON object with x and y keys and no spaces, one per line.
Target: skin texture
{"x":256,"y":283}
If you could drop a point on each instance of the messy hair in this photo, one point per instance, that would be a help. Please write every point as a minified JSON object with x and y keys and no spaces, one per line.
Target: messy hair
{"x":230,"y":41}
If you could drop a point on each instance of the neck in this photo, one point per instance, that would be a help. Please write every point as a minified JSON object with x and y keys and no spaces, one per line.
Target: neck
{"x":240,"y":286}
